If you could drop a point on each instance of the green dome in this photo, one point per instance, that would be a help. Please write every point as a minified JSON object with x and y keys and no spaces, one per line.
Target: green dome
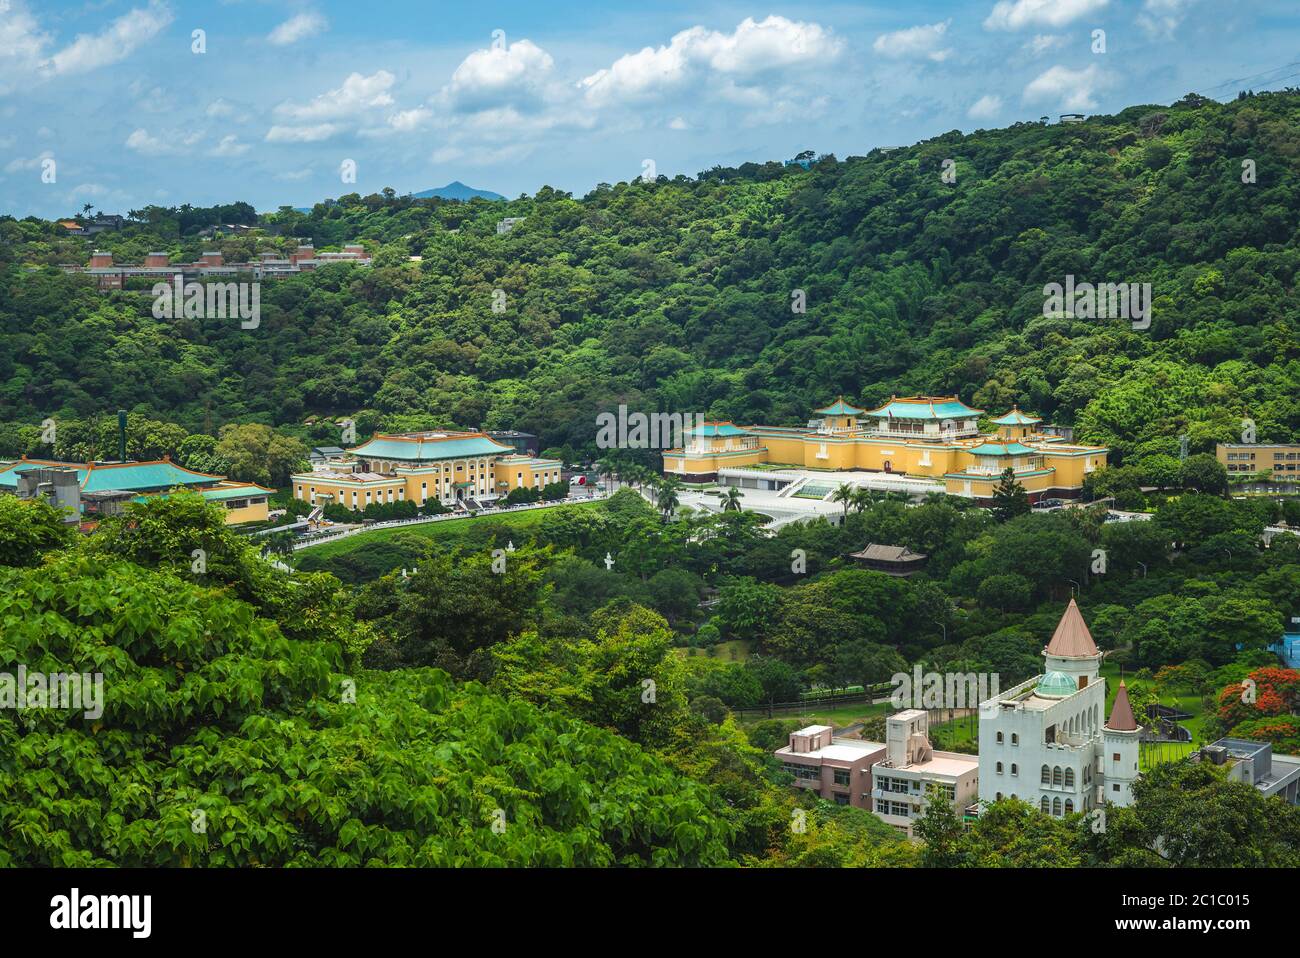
{"x":1056,"y":685}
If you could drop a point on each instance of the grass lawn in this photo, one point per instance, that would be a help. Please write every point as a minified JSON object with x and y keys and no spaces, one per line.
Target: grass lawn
{"x":735,"y":650}
{"x":446,"y":529}
{"x":947,"y":734}
{"x":960,"y":731}
{"x":837,"y":717}
{"x":1189,"y":702}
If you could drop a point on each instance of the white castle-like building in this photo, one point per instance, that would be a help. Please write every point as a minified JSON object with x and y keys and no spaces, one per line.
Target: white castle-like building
{"x":1047,"y":741}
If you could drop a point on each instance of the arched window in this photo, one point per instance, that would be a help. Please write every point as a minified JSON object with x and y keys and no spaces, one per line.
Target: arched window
{"x":998,"y":797}
{"x":999,"y":768}
{"x":1069,"y":806}
{"x":1069,"y":778}
{"x":1046,"y":806}
{"x":999,"y":738}
{"x":1015,"y":739}
{"x":1056,"y":807}
{"x":1056,"y":775}
{"x":1046,"y":778}
{"x":1015,"y":769}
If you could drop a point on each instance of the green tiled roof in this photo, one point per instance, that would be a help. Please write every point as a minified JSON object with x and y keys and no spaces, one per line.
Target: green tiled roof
{"x":838,"y":408}
{"x":234,"y":492}
{"x":929,"y":409}
{"x":1016,"y":418}
{"x":1001,"y":449}
{"x":429,"y":450}
{"x":131,"y":477}
{"x":144,"y":475}
{"x":717,"y":429}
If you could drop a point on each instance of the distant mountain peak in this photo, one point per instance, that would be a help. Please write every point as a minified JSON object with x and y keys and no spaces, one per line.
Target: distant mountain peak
{"x":456,"y":190}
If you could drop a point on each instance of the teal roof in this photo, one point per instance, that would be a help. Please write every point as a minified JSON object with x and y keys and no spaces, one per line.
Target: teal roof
{"x":234,"y":492}
{"x":839,"y":408}
{"x":716,"y":429}
{"x":1001,"y":449}
{"x":128,"y":477}
{"x":1056,"y":685}
{"x":1016,"y":418}
{"x":924,"y":409}
{"x":220,"y":494}
{"x":421,"y":449}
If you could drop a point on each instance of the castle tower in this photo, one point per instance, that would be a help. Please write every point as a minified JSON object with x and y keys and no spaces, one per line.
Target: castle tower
{"x":1072,"y":649}
{"x":1119,"y":760}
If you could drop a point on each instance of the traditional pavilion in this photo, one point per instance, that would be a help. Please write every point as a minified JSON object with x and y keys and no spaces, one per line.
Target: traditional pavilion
{"x":929,"y":436}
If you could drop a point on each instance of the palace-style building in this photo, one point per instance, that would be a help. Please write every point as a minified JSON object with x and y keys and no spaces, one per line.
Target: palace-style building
{"x":450,"y":467}
{"x":926,"y":436}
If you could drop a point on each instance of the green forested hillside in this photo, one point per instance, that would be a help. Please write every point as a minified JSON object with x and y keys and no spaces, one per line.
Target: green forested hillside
{"x":676,"y":294}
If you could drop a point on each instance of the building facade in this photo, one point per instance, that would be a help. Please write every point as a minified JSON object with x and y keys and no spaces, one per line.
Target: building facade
{"x":1048,"y":742}
{"x":102,"y":488}
{"x":1243,"y":459}
{"x":911,"y":773}
{"x":464,"y":469}
{"x":938,"y":438}
{"x":211,"y":265}
{"x":837,"y":769}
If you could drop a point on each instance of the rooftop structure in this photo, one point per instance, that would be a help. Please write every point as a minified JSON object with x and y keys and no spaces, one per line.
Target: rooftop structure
{"x":891,"y":560}
{"x":1255,"y":764}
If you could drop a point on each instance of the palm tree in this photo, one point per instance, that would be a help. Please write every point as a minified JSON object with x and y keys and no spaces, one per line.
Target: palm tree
{"x":844,"y":496}
{"x":605,"y":470}
{"x":862,"y":499}
{"x":666,"y":499}
{"x":731,"y":500}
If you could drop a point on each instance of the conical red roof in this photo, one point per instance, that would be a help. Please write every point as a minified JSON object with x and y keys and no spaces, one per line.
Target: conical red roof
{"x":1072,"y":637}
{"x":1121,"y":713}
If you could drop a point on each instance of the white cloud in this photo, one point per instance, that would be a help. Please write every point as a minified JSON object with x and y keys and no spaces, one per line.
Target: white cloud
{"x":1044,"y":42}
{"x":169,"y":144}
{"x":20,"y":164}
{"x":1017,"y":14}
{"x":302,"y":134}
{"x":295,"y":174}
{"x":222,"y":108}
{"x":1072,"y":89}
{"x":915,"y":42}
{"x":518,"y":74}
{"x":677,"y":123}
{"x":297,"y":28}
{"x":985,"y":108}
{"x":230,"y":146}
{"x":1160,"y":18}
{"x":357,"y":94}
{"x":406,"y":120}
{"x":357,"y":99}
{"x":754,"y":50}
{"x":118,"y":41}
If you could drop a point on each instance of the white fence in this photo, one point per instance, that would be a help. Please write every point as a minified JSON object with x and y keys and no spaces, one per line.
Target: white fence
{"x":444,"y":517}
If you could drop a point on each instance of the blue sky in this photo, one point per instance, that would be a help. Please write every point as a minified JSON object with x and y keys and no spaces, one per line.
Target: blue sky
{"x":511,"y":96}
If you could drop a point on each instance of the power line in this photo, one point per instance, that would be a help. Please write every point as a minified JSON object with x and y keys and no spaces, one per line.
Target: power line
{"x":1251,"y":77}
